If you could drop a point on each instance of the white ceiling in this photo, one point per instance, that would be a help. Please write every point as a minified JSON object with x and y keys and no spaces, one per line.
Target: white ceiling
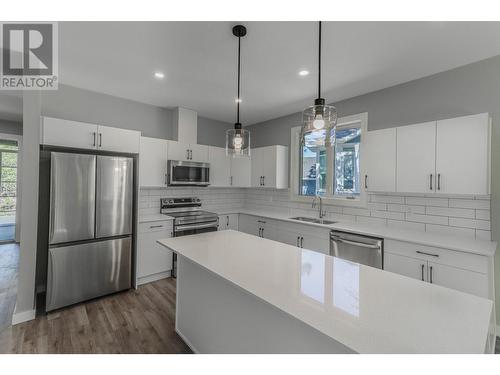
{"x":199,"y":60}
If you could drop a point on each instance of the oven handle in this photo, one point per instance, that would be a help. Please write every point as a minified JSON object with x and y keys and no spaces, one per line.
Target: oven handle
{"x":182,"y":228}
{"x":360,"y":244}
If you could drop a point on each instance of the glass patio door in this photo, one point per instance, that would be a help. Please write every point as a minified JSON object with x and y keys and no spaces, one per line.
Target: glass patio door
{"x":8,"y":189}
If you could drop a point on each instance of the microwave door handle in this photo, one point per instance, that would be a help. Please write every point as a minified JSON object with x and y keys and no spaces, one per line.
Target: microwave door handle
{"x":360,"y":244}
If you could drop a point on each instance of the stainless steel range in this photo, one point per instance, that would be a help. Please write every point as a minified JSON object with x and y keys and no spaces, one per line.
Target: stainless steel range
{"x":189,"y":219}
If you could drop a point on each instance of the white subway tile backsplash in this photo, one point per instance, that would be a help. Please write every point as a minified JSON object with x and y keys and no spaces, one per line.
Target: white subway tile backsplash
{"x":455,"y":212}
{"x":427,"y":219}
{"x":483,"y":214}
{"x":449,"y":231}
{"x":450,"y":215}
{"x":480,"y":204}
{"x":423,"y":201}
{"x":470,"y":223}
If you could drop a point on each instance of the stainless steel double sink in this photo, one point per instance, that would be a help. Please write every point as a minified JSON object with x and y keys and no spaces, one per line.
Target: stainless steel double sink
{"x":313,"y":220}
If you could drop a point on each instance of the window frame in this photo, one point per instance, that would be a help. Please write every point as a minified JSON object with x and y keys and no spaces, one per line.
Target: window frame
{"x":295,"y":167}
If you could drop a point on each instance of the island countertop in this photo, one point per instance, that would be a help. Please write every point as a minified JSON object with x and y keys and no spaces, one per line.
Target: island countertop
{"x":366,"y":309}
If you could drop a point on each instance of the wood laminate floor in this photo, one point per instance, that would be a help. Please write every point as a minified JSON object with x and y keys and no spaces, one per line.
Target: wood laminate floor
{"x":136,"y":321}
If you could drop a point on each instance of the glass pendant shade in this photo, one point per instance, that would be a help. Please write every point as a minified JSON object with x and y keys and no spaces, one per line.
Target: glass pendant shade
{"x":238,"y":142}
{"x":320,"y":119}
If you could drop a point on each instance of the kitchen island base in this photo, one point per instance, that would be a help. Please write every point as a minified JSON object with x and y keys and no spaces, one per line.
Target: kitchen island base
{"x":216,"y":316}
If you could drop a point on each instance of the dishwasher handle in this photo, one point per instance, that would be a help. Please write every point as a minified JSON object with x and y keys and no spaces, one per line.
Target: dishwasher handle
{"x":360,"y":244}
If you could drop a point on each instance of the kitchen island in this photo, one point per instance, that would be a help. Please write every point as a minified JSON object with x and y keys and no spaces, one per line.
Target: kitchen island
{"x":238,"y":293}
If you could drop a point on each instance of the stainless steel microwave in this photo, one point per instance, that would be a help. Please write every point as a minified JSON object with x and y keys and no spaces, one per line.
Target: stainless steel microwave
{"x":188,"y":173}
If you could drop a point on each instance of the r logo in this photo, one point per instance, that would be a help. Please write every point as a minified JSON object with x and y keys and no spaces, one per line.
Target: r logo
{"x":27,"y":49}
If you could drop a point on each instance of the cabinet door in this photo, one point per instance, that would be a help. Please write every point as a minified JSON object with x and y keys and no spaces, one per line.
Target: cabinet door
{"x":269,"y":155}
{"x":379,"y":157}
{"x":152,"y":162}
{"x":463,"y":154}
{"x":118,"y":140}
{"x":233,"y":222}
{"x":416,"y":158}
{"x":406,"y":266}
{"x":315,"y":243}
{"x":199,"y":153}
{"x":257,"y":167}
{"x":241,"y":171}
{"x":459,"y":279}
{"x":153,"y":258}
{"x":248,"y":224}
{"x":178,"y":150}
{"x":65,"y":133}
{"x":289,"y":237}
{"x":220,"y":167}
{"x":223,"y":222}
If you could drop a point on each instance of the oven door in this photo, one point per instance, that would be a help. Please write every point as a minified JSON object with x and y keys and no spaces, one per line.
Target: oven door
{"x":182,"y":173}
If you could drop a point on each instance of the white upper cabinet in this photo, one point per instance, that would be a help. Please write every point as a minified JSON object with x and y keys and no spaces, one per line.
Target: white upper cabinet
{"x":153,"y":162}
{"x":379,"y":159}
{"x":187,"y":152}
{"x":118,"y":140}
{"x":241,"y":171}
{"x":463,"y":155}
{"x":66,"y":133}
{"x":220,"y":167}
{"x":74,"y":134}
{"x":270,"y":167}
{"x":416,"y":158}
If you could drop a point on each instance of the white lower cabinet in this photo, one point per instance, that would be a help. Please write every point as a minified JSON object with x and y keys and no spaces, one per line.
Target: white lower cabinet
{"x":469,"y":273}
{"x":154,"y":262}
{"x":258,"y":226}
{"x":229,"y":221}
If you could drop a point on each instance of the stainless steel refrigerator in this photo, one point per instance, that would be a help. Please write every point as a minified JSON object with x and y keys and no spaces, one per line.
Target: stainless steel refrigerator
{"x":90,"y":228}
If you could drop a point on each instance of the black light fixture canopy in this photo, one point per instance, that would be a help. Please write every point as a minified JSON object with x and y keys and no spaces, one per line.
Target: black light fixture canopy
{"x":238,"y":139}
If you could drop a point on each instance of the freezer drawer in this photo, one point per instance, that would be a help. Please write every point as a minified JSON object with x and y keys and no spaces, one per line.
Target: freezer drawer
{"x":81,"y":272}
{"x":114,"y":196}
{"x":72,"y":197}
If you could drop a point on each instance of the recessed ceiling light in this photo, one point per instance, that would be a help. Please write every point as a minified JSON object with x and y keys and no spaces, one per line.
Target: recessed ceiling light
{"x":159,"y":75}
{"x":304,"y":73}
{"x":237,"y":100}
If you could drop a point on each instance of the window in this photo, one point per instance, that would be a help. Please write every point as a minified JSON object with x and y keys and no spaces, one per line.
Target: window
{"x":332,"y":172}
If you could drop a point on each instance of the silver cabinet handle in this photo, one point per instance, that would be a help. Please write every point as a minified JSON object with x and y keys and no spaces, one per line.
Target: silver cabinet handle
{"x":422,"y":271}
{"x":231,"y":180}
{"x":430,"y":274}
{"x":260,"y":181}
{"x":298,"y":239}
{"x":100,"y":139}
{"x":263,"y":180}
{"x":424,"y":253}
{"x":187,"y":154}
{"x":93,"y":135}
{"x":430,"y":183}
{"x":155,"y":226}
{"x":439,"y":181}
{"x":302,"y":242}
{"x":190,"y":154}
{"x":366,"y":181}
{"x":227,"y":221}
{"x":261,"y":221}
{"x":260,"y":229}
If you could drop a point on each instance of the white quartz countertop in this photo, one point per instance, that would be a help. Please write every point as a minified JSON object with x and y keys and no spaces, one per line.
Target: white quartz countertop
{"x":154,"y":217}
{"x":456,"y":243}
{"x":366,"y":309}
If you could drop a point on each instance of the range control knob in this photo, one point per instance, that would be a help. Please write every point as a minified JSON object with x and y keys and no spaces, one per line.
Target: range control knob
{"x":171,"y":201}
{"x":198,"y":200}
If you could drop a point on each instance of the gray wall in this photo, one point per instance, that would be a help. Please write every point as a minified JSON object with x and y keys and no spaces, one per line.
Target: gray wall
{"x":470,"y":89}
{"x":73,"y":103}
{"x":11,"y":127}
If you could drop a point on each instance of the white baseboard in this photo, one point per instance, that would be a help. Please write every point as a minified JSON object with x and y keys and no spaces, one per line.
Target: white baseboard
{"x":188,"y":343}
{"x":154,"y":277}
{"x":23,"y":316}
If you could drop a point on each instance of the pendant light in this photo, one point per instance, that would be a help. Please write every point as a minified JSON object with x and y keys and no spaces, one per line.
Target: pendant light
{"x":238,"y":139}
{"x":320,"y":119}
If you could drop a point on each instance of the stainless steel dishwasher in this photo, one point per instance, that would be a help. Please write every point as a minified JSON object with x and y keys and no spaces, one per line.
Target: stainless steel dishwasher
{"x":357,"y":248}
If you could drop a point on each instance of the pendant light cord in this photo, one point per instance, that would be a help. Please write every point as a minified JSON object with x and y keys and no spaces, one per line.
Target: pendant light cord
{"x":238,"y":98}
{"x":319,"y":62}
